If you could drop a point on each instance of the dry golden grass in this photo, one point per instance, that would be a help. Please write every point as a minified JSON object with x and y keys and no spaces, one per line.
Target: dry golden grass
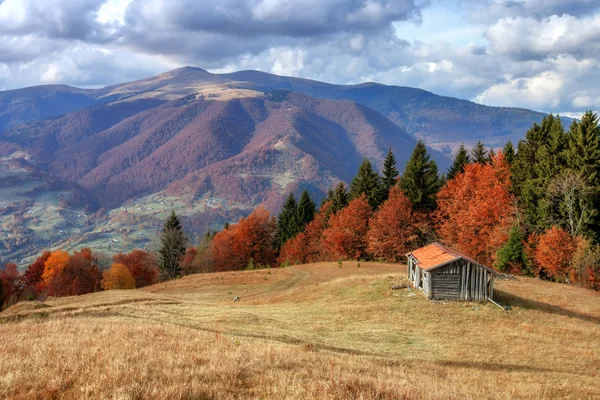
{"x":314,"y":331}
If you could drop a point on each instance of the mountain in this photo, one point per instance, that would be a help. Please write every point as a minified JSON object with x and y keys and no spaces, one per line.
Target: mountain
{"x":84,"y":167}
{"x":443,"y":122}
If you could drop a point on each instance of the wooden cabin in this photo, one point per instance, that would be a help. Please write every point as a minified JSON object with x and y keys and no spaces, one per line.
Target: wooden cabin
{"x":442,"y":273}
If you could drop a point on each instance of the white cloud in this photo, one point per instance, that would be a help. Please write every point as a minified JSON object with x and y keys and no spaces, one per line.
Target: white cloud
{"x":542,"y":54}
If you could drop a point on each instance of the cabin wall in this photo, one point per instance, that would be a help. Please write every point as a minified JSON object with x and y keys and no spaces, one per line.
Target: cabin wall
{"x":461,"y":280}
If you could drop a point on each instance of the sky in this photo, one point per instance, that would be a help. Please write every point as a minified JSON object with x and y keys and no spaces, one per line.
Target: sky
{"x":537,"y":54}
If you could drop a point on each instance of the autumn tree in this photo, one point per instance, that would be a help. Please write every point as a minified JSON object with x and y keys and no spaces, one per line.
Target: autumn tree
{"x":368,"y":182}
{"x":254,"y":238}
{"x":117,"y":277}
{"x":585,"y":263}
{"x":74,"y":275}
{"x":553,"y":254}
{"x":346,"y":236}
{"x":476,"y":210}
{"x":420,"y":181}
{"x":392,"y":231}
{"x":461,"y":159}
{"x":204,"y":261}
{"x":142,"y":265}
{"x":173,"y":243}
{"x":55,"y":263}
{"x":33,"y":282}
{"x":10,"y":282}
{"x":249,"y":241}
{"x":225,"y":258}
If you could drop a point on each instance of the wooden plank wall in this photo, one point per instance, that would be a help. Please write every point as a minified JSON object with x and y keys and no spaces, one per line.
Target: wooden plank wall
{"x":460,"y":280}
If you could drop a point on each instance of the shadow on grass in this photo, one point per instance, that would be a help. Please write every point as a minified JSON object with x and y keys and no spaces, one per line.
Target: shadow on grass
{"x":512,"y":300}
{"x":495,"y":367}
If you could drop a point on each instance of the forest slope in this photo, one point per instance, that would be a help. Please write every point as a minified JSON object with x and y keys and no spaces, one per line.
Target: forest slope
{"x":310,"y":331}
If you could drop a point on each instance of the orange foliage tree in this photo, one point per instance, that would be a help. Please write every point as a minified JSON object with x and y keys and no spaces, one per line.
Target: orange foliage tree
{"x":58,"y":260}
{"x":476,"y":209}
{"x":142,"y":265}
{"x":346,"y":236}
{"x":117,"y":277}
{"x":225,"y":257}
{"x":392,"y":229}
{"x":553,"y":253}
{"x":307,"y":246}
{"x":250,"y":240}
{"x":70,"y":276}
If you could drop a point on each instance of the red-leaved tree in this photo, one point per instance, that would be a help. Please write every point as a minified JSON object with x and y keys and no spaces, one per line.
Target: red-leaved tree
{"x":33,"y":282}
{"x":392,"y":229}
{"x":142,"y":265}
{"x":476,"y":209}
{"x":346,"y":236}
{"x":553,"y":253}
{"x":70,"y":276}
{"x":249,"y":241}
{"x":308,"y":246}
{"x":10,"y":281}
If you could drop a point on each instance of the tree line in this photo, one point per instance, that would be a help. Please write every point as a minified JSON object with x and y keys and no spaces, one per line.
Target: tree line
{"x":533,"y":210}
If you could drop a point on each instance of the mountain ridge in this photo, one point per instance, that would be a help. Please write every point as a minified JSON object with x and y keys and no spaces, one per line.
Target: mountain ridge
{"x":210,"y":146}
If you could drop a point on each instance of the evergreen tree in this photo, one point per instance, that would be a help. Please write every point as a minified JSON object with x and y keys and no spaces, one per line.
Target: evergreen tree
{"x":339,"y":198}
{"x":173,"y":243}
{"x":367,"y":181}
{"x":390,"y":171}
{"x":420,"y":181}
{"x":540,"y":158}
{"x":509,"y":153}
{"x":583,"y":153}
{"x":460,"y":160}
{"x":479,"y":154}
{"x":306,"y":211}
{"x":287,"y":221}
{"x":512,"y":254}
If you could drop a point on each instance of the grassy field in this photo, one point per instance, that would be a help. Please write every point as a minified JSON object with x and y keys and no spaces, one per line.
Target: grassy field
{"x":313,"y":331}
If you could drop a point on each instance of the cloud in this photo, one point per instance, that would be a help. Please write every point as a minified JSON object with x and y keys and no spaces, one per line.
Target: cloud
{"x":528,"y":38}
{"x":541,"y":54}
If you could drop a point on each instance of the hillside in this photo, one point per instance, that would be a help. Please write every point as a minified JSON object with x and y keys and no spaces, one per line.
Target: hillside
{"x":216,"y":145}
{"x":311,"y":331}
{"x":443,"y":121}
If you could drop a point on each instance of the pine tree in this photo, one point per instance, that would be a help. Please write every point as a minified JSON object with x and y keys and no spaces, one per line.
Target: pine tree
{"x":305,"y":212}
{"x":509,"y":153}
{"x":340,"y":197}
{"x":512,"y":254}
{"x":460,"y":160}
{"x":583,"y":153}
{"x":420,"y":181}
{"x":390,"y":172}
{"x":539,"y":159}
{"x":367,"y":182}
{"x":173,"y":243}
{"x":479,"y":154}
{"x":287,"y":222}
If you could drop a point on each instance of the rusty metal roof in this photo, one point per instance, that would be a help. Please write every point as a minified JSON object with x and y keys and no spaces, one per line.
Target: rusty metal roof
{"x":436,"y":254}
